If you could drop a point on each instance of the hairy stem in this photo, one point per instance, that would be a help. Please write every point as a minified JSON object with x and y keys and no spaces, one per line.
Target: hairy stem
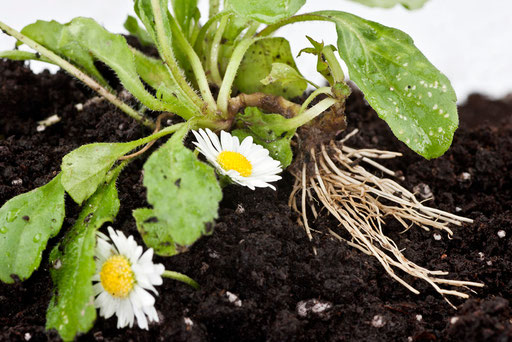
{"x":214,"y":8}
{"x":195,"y":63}
{"x":70,"y":68}
{"x":298,"y":18}
{"x":214,"y":52}
{"x":181,"y":277}
{"x":308,"y":115}
{"x":323,"y":90}
{"x":168,"y":56}
{"x":204,"y":30}
{"x":334,"y":65}
{"x":229,"y":76}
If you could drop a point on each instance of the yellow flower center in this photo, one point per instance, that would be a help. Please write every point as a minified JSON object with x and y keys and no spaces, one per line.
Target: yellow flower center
{"x":117,"y":276}
{"x":235,"y":161}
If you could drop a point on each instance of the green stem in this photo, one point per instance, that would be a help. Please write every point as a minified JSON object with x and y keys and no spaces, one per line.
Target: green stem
{"x":195,"y":63}
{"x":323,"y":90}
{"x":230,"y":74}
{"x":168,"y":56}
{"x":334,"y":65}
{"x":214,"y":8}
{"x":298,"y":18}
{"x":181,"y":277}
{"x":214,"y":52}
{"x":308,"y":115}
{"x":251,"y":30}
{"x":70,"y":68}
{"x":204,"y":30}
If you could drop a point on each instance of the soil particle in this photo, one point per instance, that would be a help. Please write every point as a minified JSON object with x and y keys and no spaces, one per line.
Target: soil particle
{"x":257,"y":271}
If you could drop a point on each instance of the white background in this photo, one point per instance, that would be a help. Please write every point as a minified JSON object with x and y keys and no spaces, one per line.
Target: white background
{"x":469,"y":40}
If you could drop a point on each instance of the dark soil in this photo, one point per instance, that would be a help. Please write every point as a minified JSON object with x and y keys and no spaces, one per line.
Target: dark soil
{"x":259,"y":253}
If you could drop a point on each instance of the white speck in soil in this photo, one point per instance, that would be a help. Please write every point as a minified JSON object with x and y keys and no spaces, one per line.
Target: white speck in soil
{"x":40,"y":128}
{"x":501,"y":234}
{"x":120,"y":127}
{"x":378,"y":321}
{"x":464,"y":176}
{"x":188,"y":321}
{"x":454,"y":320}
{"x":313,"y":307}
{"x":79,"y":107}
{"x":489,"y":263}
{"x":239,"y":209}
{"x":481,"y":256}
{"x":17,"y":181}
{"x":437,"y":236}
{"x":458,"y":209}
{"x":213,"y":255}
{"x":233,"y":298}
{"x":169,"y":122}
{"x":27,"y":336}
{"x":419,"y":318}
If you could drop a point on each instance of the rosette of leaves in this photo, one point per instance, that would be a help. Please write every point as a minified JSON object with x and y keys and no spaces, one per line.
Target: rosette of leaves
{"x":257,"y":78}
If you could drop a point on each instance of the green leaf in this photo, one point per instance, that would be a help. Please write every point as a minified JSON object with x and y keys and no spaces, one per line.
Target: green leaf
{"x":263,"y":54}
{"x":183,"y":191}
{"x":284,"y":74}
{"x":321,"y":65}
{"x":18,"y":55}
{"x":85,"y":168}
{"x":154,"y":73}
{"x":405,"y":89}
{"x":113,"y":50}
{"x":187,"y":15}
{"x":155,"y":233}
{"x":409,"y":4}
{"x":265,"y":11}
{"x":132,"y":26}
{"x":255,"y":123}
{"x":56,"y":37}
{"x":71,"y":308}
{"x":27,"y":221}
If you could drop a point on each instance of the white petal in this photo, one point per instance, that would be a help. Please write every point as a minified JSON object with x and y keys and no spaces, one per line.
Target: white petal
{"x":226,"y":141}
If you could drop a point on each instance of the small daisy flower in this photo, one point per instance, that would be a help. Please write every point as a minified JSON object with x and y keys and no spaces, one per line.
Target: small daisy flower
{"x":245,"y":163}
{"x":123,"y":276}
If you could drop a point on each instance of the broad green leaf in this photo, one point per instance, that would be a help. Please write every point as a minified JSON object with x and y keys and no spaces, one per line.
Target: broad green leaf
{"x":255,"y":123}
{"x":56,"y":37}
{"x":27,"y":222}
{"x":257,"y":64}
{"x":409,"y":4}
{"x":132,"y":26}
{"x":155,"y":233}
{"x":405,"y":89}
{"x":265,"y":11}
{"x":19,"y":55}
{"x":155,"y":74}
{"x":284,"y":74}
{"x":187,"y":15}
{"x":113,"y":50}
{"x":183,"y":191}
{"x":71,"y":308}
{"x":85,"y":168}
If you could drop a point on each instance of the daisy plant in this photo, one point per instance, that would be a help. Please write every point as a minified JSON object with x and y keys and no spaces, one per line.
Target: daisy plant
{"x":226,"y":73}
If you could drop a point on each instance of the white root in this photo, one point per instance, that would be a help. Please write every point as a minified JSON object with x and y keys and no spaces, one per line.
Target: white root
{"x":354,"y":197}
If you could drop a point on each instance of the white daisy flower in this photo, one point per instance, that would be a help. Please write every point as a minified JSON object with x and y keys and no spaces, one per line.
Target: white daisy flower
{"x":123,"y":276}
{"x":245,"y":163}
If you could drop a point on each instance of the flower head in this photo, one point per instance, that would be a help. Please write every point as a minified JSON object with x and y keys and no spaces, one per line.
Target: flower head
{"x":245,"y":163}
{"x":123,"y":276}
